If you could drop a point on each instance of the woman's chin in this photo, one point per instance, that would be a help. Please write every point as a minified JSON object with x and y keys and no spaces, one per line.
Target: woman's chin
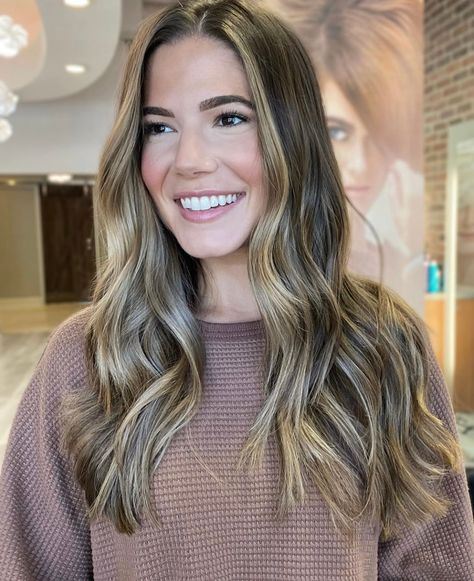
{"x":203,"y":250}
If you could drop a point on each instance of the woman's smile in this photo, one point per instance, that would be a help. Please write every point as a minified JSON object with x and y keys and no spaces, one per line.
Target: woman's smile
{"x":204,"y":208}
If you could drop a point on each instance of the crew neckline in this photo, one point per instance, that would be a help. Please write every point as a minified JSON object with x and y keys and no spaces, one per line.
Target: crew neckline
{"x":238,"y":330}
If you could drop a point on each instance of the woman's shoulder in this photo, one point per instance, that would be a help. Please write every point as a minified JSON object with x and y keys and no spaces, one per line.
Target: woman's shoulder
{"x":385,"y":315}
{"x":68,"y":339}
{"x":61,"y":370}
{"x":401,"y":338}
{"x":64,"y":359}
{"x":364,"y":293}
{"x":386,"y":300}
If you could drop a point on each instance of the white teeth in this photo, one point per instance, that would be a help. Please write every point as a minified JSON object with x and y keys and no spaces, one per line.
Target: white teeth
{"x":205,"y":203}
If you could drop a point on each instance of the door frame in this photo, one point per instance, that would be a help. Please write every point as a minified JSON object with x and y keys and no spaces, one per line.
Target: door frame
{"x":458,"y":134}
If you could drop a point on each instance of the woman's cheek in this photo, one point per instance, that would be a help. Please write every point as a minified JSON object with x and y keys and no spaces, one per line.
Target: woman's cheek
{"x":151,"y":170}
{"x":146,"y":166}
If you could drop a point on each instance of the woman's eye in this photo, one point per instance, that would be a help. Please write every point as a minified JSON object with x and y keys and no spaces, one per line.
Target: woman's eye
{"x":155,"y":129}
{"x":338,"y":133}
{"x":230,"y":119}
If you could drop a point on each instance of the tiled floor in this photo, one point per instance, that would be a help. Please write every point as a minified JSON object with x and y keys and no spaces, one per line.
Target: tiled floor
{"x":23,"y":336}
{"x":18,"y":357}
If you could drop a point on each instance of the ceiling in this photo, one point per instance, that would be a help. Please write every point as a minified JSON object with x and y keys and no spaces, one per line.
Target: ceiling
{"x":60,"y":35}
{"x":95,"y":37}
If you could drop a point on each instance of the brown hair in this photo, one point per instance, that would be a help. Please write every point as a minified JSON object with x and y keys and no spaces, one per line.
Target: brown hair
{"x":345,"y":375}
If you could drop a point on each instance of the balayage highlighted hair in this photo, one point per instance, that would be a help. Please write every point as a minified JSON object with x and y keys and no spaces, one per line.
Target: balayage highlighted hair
{"x":346,"y":361}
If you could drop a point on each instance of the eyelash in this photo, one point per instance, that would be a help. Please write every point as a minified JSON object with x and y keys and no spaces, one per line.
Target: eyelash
{"x":232,"y":114}
{"x":149,"y":128}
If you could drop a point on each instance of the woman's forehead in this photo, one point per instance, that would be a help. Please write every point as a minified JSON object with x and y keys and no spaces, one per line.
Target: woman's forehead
{"x":195,"y":66}
{"x":195,"y":51}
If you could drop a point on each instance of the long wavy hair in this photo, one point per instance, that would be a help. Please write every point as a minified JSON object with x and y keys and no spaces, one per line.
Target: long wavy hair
{"x":345,"y":379}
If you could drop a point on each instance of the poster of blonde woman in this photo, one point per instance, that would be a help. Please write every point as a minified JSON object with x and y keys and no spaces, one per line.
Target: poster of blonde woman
{"x":368,"y":54}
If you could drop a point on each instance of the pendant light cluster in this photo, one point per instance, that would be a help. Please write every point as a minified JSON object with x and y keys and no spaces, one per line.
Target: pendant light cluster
{"x":13,"y":37}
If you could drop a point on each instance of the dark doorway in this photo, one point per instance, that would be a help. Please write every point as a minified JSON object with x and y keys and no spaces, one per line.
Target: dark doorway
{"x":68,"y":242}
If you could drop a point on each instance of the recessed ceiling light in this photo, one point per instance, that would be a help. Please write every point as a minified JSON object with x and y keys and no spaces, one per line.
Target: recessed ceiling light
{"x":59,"y":178}
{"x":77,"y":3}
{"x":75,"y":69}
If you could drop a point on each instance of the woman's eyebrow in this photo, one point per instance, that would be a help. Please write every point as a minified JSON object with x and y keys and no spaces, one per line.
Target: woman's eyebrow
{"x":203,"y":106}
{"x":224,"y":100}
{"x":338,"y":120}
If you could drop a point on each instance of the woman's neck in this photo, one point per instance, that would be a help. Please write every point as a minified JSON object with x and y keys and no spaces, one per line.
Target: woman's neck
{"x":227,"y":296}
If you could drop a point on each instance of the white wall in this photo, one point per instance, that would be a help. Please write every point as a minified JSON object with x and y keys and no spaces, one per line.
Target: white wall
{"x":65,"y":135}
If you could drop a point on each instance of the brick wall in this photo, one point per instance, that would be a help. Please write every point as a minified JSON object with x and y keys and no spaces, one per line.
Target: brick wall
{"x":449,"y":99}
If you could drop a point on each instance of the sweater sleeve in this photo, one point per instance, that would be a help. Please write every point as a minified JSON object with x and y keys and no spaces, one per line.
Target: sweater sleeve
{"x":44,"y":533}
{"x":443,"y":549}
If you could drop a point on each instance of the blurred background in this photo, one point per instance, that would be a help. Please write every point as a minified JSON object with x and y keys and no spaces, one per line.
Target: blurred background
{"x":397,"y":79}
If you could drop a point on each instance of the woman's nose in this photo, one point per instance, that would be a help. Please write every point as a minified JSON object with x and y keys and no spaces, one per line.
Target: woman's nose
{"x":194,"y":155}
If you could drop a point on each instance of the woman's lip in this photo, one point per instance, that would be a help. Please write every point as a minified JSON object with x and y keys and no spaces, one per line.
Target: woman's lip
{"x":211,"y":214}
{"x":356,"y":189}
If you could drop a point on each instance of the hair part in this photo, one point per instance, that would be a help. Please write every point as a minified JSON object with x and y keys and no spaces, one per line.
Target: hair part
{"x":346,"y":373}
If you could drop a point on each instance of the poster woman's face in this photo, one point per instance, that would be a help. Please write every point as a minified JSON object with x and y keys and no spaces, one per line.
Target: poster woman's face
{"x":363,"y":164}
{"x":201,"y":160}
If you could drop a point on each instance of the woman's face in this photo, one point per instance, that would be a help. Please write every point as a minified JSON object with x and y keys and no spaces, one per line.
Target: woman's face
{"x":363,"y":164}
{"x":201,"y":147}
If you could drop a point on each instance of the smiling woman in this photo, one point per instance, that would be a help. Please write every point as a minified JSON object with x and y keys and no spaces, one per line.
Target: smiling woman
{"x":234,"y":404}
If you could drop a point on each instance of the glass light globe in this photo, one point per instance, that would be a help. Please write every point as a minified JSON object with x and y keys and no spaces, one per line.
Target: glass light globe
{"x":13,"y":37}
{"x":8,"y":100}
{"x":6,"y":130}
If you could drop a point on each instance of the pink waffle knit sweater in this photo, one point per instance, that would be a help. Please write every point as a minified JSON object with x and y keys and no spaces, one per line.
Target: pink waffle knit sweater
{"x":217,"y":523}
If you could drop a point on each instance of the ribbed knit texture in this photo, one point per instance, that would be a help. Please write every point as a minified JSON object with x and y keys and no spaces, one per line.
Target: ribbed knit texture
{"x":217,"y":524}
